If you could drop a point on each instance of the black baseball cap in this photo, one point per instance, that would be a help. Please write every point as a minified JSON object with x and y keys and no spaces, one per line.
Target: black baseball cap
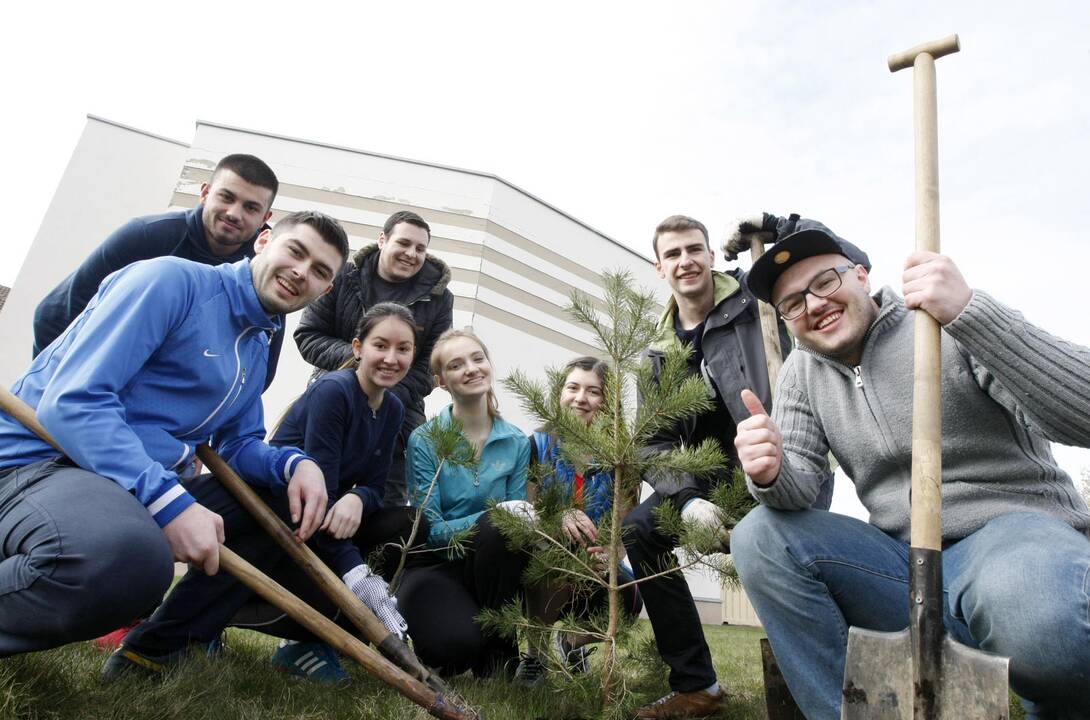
{"x":807,"y":239}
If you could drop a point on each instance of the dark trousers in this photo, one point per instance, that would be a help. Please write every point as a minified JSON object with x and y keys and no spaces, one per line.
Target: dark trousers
{"x":79,"y":556}
{"x":583,"y":605}
{"x":440,"y":601}
{"x":670,"y":607}
{"x":382,"y":535}
{"x":201,"y":606}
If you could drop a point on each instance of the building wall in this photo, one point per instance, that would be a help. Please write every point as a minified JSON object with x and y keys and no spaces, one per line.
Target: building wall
{"x":115,"y":173}
{"x":514,"y":259}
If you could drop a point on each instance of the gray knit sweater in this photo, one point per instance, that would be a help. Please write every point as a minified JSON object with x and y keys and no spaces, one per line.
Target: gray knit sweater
{"x":1008,"y":389}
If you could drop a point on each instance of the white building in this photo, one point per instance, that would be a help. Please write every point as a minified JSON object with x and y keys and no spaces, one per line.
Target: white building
{"x":514,"y":257}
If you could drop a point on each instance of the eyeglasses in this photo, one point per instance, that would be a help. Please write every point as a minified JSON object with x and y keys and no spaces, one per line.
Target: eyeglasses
{"x":824,"y":284}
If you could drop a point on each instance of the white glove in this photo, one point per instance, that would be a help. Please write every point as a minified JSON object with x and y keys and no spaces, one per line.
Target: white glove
{"x":520,"y":509}
{"x":707,"y":514}
{"x":744,"y":230}
{"x":375,"y":594}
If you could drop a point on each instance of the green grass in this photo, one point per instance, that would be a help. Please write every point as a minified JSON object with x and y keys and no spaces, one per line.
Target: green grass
{"x":63,"y":683}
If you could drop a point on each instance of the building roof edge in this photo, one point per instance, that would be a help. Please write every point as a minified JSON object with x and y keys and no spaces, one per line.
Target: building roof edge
{"x":424,"y":163}
{"x":107,"y":121}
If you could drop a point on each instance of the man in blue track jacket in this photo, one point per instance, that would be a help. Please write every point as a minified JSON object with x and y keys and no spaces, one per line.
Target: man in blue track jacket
{"x":168,"y":354}
{"x":235,"y":204}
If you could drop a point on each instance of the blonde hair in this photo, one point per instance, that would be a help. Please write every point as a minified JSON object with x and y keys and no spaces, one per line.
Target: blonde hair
{"x":437,"y":361}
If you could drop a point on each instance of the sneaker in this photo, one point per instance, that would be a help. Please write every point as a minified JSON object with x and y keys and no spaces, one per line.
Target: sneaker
{"x":575,"y":659}
{"x":124,"y":661}
{"x":310,"y":660}
{"x":216,"y":647}
{"x":530,"y":672}
{"x":112,"y":640}
{"x":682,"y":706}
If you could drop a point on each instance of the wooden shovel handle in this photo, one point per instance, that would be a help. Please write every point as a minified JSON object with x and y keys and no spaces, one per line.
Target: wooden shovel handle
{"x":770,"y":328}
{"x":359,"y":614}
{"x":335,"y":636}
{"x":927,"y":381}
{"x":22,"y":412}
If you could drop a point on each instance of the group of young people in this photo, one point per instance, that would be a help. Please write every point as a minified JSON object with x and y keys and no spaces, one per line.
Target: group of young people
{"x":165,"y":337}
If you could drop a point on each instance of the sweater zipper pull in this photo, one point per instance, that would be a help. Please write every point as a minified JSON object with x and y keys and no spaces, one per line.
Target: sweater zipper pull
{"x":858,"y":375}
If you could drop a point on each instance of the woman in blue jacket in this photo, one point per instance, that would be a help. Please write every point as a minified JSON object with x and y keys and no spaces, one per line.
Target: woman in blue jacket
{"x":441,"y":595}
{"x":591,"y":496}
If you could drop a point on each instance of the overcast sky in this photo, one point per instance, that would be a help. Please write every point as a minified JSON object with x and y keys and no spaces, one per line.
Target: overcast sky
{"x":620,"y":113}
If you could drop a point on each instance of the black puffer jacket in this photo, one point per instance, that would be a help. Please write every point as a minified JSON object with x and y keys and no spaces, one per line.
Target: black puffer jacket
{"x":324,"y":335}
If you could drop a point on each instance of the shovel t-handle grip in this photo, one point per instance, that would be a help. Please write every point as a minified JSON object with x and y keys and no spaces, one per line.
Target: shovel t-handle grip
{"x":936,"y":49}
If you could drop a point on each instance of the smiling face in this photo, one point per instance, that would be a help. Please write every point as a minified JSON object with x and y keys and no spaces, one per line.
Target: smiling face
{"x":401,"y":255}
{"x":385,"y":355}
{"x":583,"y":393}
{"x":233,"y":211}
{"x":293,"y":268}
{"x":685,"y":262}
{"x":465,"y":371}
{"x":833,"y":325}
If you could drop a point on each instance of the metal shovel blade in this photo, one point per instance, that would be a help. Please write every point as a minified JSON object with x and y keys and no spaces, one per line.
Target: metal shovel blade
{"x":878,"y":680}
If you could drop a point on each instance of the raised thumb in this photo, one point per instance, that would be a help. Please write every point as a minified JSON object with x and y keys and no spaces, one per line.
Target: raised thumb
{"x":753,"y":403}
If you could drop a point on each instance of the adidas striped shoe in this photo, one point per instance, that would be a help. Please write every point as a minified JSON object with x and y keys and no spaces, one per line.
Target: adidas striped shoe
{"x":310,"y":660}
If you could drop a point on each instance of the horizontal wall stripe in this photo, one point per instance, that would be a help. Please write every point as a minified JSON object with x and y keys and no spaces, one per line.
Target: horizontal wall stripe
{"x":533,"y":329}
{"x":368,"y":232}
{"x":387,"y":207}
{"x":356,"y":202}
{"x":441,"y":244}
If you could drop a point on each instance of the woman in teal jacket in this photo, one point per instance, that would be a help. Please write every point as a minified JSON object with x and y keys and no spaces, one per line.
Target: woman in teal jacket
{"x":441,"y":595}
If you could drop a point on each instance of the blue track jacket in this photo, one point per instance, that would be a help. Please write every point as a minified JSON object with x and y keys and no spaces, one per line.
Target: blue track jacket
{"x":169,"y":354}
{"x":597,"y":485}
{"x":174,"y":234}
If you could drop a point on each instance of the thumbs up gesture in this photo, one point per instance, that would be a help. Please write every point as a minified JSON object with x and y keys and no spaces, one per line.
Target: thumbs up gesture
{"x":758,"y":441}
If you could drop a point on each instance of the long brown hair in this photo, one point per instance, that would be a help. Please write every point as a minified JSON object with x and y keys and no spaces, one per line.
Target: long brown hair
{"x":437,"y":362}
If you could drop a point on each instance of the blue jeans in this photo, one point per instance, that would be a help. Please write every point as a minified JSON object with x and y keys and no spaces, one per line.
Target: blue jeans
{"x":1019,"y":587}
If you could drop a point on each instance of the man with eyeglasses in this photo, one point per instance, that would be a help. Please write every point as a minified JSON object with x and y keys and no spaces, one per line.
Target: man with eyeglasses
{"x":716,"y":315}
{"x":1016,"y":554}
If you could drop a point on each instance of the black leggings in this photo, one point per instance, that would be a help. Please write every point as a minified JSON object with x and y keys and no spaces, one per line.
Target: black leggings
{"x":441,"y":600}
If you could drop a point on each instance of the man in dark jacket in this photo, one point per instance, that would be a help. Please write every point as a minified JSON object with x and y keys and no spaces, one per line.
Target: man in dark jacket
{"x":715,"y":313}
{"x":396,"y":269}
{"x":234,"y":207}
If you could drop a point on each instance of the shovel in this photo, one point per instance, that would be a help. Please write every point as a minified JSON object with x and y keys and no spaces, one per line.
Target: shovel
{"x":921,"y":672}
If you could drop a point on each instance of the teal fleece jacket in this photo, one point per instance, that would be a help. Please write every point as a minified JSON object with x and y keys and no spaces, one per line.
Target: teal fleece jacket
{"x":461,"y":494}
